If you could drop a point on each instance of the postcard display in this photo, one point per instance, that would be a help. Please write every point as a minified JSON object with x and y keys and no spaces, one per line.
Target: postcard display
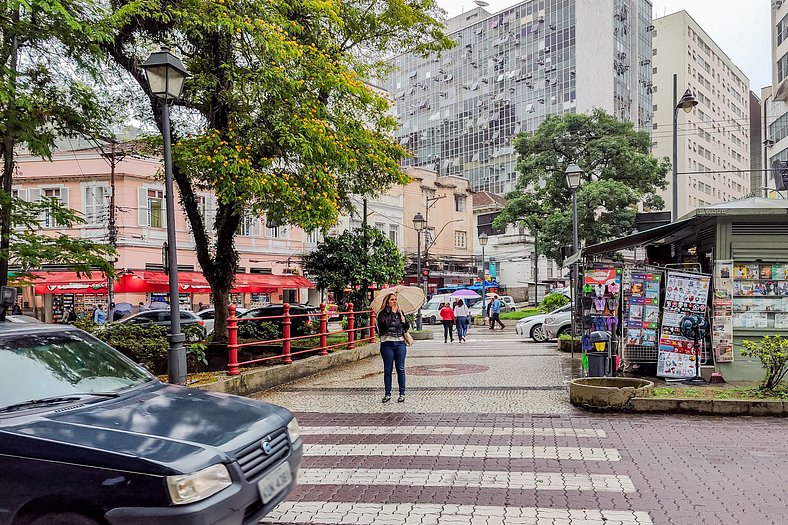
{"x":685,"y":293}
{"x":641,"y":314}
{"x":722,"y":326}
{"x":600,"y":300}
{"x":760,"y":296}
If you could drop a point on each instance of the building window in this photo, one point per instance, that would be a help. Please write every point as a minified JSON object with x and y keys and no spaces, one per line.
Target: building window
{"x":394,"y":233}
{"x":248,"y":226}
{"x":459,"y":203}
{"x":277,"y":232}
{"x":313,"y":237}
{"x":381,"y":227}
{"x":61,"y":194}
{"x":96,"y":200}
{"x":460,"y":240}
{"x":156,"y":208}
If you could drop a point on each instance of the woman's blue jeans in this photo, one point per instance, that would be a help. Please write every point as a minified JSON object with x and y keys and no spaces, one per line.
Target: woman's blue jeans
{"x":462,"y":327}
{"x":393,"y":353}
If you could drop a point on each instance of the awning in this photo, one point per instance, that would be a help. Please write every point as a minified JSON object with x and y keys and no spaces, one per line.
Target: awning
{"x":636,"y":239}
{"x":257,"y":282}
{"x":151,"y":281}
{"x":58,"y":283}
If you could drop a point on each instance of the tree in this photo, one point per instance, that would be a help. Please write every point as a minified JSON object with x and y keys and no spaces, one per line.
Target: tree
{"x":619,"y":173}
{"x":288,"y":125}
{"x":48,"y":54}
{"x":353,"y":260}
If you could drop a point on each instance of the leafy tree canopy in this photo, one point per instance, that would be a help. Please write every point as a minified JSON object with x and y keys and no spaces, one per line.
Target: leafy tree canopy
{"x":619,"y":172}
{"x":354,"y":260}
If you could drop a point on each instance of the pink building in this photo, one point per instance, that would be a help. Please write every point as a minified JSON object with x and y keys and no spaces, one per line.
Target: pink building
{"x":269,"y":257}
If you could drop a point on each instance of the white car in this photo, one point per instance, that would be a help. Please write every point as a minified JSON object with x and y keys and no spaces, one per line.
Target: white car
{"x":209,"y":315}
{"x":532,"y":327}
{"x":508,"y":305}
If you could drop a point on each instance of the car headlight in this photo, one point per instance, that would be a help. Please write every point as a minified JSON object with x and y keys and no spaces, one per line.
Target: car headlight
{"x":188,"y":488}
{"x":293,"y":430}
{"x":549,"y":320}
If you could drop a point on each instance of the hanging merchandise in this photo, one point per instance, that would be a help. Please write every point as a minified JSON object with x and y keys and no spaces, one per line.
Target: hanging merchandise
{"x":722,"y":327}
{"x":599,"y":302}
{"x":685,"y":293}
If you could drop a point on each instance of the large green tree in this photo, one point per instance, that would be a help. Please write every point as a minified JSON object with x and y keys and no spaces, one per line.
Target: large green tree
{"x":619,"y":173}
{"x":287,"y":124}
{"x":355,"y":259}
{"x":49,"y":58}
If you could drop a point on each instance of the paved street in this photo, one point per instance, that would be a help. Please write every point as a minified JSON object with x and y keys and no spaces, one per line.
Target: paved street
{"x":486,"y":436}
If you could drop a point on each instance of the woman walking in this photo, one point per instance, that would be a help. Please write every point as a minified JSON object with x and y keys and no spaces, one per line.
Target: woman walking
{"x":392,"y":327}
{"x":447,"y":317}
{"x":461,"y":314}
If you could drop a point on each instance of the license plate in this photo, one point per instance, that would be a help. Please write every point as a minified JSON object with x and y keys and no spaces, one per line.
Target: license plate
{"x":273,"y":483}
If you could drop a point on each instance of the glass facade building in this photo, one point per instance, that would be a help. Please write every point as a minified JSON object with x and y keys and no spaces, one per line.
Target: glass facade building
{"x":459,"y":110}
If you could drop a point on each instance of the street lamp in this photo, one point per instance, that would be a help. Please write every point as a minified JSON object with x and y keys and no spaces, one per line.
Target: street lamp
{"x":418,"y":224}
{"x":574,"y":176}
{"x":483,"y":242}
{"x":166,"y":75}
{"x":687,"y":102}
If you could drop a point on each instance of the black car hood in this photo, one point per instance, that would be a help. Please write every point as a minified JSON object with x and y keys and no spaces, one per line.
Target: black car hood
{"x":161,"y":429}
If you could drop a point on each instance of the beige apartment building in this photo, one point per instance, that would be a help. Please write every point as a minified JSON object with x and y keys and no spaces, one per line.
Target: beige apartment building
{"x":713,"y":139}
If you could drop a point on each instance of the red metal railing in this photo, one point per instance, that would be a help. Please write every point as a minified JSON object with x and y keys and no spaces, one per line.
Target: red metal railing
{"x":233,"y":346}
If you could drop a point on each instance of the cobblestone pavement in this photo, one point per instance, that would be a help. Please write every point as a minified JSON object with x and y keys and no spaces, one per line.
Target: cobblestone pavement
{"x":486,"y":437}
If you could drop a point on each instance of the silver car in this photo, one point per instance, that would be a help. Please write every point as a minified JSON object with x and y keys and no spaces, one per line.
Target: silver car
{"x":531,"y":327}
{"x":558,"y":322}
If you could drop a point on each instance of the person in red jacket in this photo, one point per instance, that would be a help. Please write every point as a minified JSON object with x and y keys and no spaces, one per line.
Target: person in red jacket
{"x":447,"y":317}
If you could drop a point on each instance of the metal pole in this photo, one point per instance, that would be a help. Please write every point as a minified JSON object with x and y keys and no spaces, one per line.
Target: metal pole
{"x":765,"y":163}
{"x":675,"y":178}
{"x":484,"y":288}
{"x":418,"y":275}
{"x":536,"y":269}
{"x":176,"y":359}
{"x":576,"y":247}
{"x":113,"y":230}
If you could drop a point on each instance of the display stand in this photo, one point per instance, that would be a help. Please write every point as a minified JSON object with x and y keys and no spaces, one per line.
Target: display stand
{"x":599,"y":301}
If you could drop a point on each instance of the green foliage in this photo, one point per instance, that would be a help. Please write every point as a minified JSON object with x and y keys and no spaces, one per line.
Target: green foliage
{"x":354,"y":259}
{"x":773,"y":353}
{"x":564,"y":337}
{"x":552,"y":302}
{"x":520,"y":314}
{"x":619,"y":172}
{"x":264,"y":331}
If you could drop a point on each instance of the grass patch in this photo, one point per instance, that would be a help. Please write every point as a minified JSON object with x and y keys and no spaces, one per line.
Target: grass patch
{"x":733,"y":392}
{"x":520,"y":314}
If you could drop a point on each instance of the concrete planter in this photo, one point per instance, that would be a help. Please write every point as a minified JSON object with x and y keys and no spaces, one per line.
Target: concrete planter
{"x":421,"y":335}
{"x":565,"y":345}
{"x":710,"y":407}
{"x":607,"y":392}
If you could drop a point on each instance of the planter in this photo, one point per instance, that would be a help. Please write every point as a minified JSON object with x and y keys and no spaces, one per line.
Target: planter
{"x":607,"y":392}
{"x":565,"y":345}
{"x":421,"y":335}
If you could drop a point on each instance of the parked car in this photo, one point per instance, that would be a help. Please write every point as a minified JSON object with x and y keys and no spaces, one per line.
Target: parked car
{"x":508,"y":305}
{"x":162,"y":318}
{"x":533,"y":326}
{"x":558,"y":322}
{"x":431,"y":312}
{"x":88,"y":437}
{"x":208,"y":316}
{"x":298,"y":322}
{"x":27,"y":319}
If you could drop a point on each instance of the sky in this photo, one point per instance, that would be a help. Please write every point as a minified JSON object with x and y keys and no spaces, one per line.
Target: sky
{"x":741,"y":28}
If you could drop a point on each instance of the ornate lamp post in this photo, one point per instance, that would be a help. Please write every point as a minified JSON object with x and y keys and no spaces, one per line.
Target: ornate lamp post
{"x":687,"y":102}
{"x":419,"y":223}
{"x":483,"y":242}
{"x":166,"y":75}
{"x":574,"y":176}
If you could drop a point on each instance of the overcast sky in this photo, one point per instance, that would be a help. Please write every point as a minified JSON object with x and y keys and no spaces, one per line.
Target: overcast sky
{"x":740,"y":27}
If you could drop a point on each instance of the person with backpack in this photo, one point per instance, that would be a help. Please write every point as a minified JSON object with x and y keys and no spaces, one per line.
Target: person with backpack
{"x":495,"y":307}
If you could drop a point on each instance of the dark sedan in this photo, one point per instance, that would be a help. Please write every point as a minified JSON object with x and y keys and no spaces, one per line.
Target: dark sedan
{"x":88,"y":437}
{"x":304,"y":316}
{"x":162,"y":318}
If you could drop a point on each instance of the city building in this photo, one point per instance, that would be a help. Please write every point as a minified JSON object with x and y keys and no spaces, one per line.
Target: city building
{"x":83,"y":180}
{"x":714,"y":137}
{"x":775,"y":99}
{"x":757,"y":119}
{"x":459,"y":110}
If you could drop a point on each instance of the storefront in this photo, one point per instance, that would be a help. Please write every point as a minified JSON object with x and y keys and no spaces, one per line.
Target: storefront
{"x":727,"y":262}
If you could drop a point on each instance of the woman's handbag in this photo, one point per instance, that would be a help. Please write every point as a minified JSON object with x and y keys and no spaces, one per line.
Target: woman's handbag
{"x":408,"y":338}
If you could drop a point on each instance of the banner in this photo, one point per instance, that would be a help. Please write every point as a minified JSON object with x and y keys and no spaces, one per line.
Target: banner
{"x":643,"y":319}
{"x":722,"y":326}
{"x":685,"y":293}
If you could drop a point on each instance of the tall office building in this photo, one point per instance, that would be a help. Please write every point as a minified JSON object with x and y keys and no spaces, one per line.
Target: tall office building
{"x":775,"y":99}
{"x":714,"y":137}
{"x":460,"y":109}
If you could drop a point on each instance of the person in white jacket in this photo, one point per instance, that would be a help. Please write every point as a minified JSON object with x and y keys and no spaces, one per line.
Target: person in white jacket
{"x":462,"y":316}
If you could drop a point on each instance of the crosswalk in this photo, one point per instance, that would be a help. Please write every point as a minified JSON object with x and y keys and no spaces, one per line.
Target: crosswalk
{"x":413,"y":474}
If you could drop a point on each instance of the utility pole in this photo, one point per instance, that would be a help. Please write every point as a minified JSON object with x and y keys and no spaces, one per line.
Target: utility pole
{"x":113,"y":157}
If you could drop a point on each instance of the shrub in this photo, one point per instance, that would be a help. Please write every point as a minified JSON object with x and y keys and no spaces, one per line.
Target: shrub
{"x":773,"y":353}
{"x":553,"y":301}
{"x":264,"y":331}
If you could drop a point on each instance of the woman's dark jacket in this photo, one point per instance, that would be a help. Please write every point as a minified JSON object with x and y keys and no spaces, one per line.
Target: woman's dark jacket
{"x":391,"y":324}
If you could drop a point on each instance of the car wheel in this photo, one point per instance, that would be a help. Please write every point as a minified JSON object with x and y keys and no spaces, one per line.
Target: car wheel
{"x":63,"y":518}
{"x":431,"y":320}
{"x":565,"y":330}
{"x":537,"y":334}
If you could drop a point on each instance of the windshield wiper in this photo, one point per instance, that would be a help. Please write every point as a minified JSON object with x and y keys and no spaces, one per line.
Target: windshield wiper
{"x":56,"y":399}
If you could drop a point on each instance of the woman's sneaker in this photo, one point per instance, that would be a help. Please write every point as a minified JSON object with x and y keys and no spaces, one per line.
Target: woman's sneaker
{"x":401,"y":398}
{"x":386,"y":399}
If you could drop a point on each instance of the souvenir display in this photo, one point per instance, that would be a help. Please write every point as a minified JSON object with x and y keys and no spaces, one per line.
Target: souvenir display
{"x":642,"y":319}
{"x":685,"y":293}
{"x":723,"y":303}
{"x":759,"y":296}
{"x":600,"y":298}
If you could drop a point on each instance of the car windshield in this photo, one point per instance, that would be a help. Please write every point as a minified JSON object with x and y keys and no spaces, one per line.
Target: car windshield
{"x":44,"y":365}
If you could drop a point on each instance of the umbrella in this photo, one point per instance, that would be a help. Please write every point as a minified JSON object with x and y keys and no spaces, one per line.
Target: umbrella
{"x":491,"y":294}
{"x":124,"y":308}
{"x":466,"y":294}
{"x":409,"y":298}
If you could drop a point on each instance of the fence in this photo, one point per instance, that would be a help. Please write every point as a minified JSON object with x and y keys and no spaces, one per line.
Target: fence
{"x":286,"y":319}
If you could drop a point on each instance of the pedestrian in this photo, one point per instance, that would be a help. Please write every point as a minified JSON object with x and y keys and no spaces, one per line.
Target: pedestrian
{"x":143,"y":307}
{"x":64,"y":315}
{"x":200,"y":307}
{"x":447,"y":318}
{"x":72,"y":315}
{"x":117,"y":315}
{"x":496,"y":313}
{"x":392,"y":326}
{"x":489,"y":312}
{"x":99,"y":315}
{"x":461,"y":314}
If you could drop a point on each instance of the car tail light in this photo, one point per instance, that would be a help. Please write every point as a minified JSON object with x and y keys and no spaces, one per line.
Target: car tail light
{"x":201,"y":322}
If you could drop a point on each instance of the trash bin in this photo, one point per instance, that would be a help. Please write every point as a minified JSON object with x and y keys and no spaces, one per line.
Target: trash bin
{"x":599,"y":355}
{"x":597,"y":364}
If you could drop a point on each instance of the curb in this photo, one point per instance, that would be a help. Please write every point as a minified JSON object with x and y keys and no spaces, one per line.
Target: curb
{"x":709,"y":407}
{"x":257,"y":380}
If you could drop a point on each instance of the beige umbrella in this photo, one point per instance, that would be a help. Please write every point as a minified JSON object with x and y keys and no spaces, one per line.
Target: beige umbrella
{"x":409,"y":298}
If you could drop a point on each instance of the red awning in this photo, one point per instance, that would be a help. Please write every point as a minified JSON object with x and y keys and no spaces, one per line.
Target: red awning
{"x":58,"y":283}
{"x":268,"y":283}
{"x":150,"y":281}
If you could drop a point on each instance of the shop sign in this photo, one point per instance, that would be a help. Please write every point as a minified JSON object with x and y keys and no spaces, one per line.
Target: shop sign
{"x":685,"y":293}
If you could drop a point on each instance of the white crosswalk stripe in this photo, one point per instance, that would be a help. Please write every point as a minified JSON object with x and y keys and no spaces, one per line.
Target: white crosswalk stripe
{"x":467,"y":478}
{"x":452,"y":431}
{"x":463,"y":451}
{"x":430,"y":514}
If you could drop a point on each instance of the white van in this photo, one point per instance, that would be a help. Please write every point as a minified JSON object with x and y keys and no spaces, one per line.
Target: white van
{"x":430,"y":312}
